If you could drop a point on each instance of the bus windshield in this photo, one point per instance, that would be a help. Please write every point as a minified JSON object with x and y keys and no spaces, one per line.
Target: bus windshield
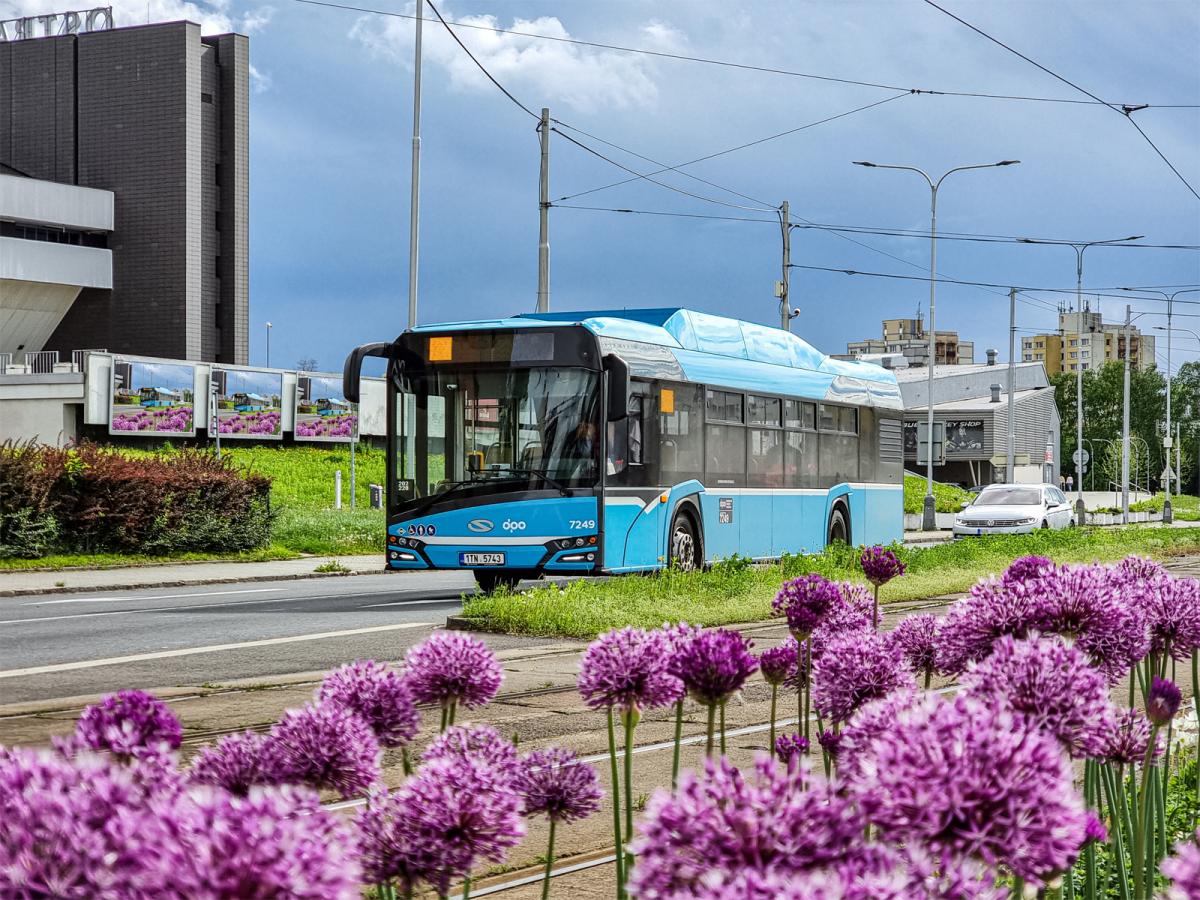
{"x":472,"y":431}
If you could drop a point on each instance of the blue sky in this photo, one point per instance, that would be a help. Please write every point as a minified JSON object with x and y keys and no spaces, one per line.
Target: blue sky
{"x":330,"y":128}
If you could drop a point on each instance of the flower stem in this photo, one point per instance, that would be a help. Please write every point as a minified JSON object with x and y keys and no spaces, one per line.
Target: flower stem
{"x":1143,"y":824}
{"x":1116,"y":837}
{"x":1196,"y":710}
{"x":678,"y":738}
{"x":616,"y":802}
{"x":723,"y":728}
{"x":405,"y":761}
{"x":1091,"y":794}
{"x":630,"y":723}
{"x":807,"y":683}
{"x":771,"y":740}
{"x":549,"y":862}
{"x":712,"y":725}
{"x":445,"y":719}
{"x":875,"y":610}
{"x":466,"y":894}
{"x":453,"y":710}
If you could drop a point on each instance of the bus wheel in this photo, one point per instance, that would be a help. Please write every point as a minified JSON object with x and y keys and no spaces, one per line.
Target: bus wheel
{"x":489,"y":580}
{"x":839,"y":530}
{"x":684,"y":555}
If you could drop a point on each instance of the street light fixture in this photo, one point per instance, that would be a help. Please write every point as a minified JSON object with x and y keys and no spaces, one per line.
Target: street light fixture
{"x":1170,"y":298}
{"x":928,"y":519}
{"x":1080,"y":508}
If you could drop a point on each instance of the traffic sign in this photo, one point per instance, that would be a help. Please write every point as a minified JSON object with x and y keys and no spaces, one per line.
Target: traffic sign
{"x":1080,"y":457}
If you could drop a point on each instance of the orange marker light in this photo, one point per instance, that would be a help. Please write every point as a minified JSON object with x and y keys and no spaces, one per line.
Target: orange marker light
{"x":441,"y":349}
{"x":662,"y":498}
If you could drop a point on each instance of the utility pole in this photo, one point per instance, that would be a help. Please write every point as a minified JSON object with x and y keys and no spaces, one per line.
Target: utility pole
{"x":414,"y":203}
{"x":1125,"y":429}
{"x":1012,"y":370}
{"x":543,"y":297}
{"x":785,"y":303}
{"x":1167,"y":512}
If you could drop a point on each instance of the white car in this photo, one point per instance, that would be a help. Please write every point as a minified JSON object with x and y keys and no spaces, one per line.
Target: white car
{"x":1014,"y":509}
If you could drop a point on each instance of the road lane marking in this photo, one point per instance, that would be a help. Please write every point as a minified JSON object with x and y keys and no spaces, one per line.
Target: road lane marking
{"x":160,"y":597}
{"x":211,"y":648}
{"x":188,"y":609}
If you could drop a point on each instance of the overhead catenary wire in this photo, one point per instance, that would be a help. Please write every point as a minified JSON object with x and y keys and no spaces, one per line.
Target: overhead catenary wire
{"x":1127,"y":110}
{"x":749,"y":67}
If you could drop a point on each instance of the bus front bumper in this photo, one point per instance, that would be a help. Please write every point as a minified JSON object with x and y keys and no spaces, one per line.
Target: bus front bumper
{"x":559,"y":555}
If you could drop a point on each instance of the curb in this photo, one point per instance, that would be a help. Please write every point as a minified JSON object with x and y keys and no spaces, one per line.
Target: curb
{"x":145,"y":586}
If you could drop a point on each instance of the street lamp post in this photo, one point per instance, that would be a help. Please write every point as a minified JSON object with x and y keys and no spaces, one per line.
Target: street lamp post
{"x":268,"y":345}
{"x":1080,"y":508}
{"x":928,"y":519}
{"x":1170,"y":298}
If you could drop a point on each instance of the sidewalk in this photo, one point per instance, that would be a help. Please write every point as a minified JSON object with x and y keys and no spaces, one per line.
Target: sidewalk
{"x":177,"y":574}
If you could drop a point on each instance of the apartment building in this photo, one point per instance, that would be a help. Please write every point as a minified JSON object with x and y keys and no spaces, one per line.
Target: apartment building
{"x":1085,"y":341}
{"x":908,"y":336}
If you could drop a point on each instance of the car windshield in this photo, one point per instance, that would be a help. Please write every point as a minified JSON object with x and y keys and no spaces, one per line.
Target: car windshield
{"x":487,"y":431}
{"x":1009,"y":496}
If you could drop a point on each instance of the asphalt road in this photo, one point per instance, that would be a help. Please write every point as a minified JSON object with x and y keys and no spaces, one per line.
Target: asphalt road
{"x":71,"y":645}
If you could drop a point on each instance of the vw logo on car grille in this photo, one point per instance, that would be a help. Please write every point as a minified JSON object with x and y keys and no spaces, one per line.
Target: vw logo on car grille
{"x":480,"y":526}
{"x":991,"y":522}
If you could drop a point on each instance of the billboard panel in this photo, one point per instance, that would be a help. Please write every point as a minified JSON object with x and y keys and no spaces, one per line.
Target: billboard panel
{"x":322,"y":413}
{"x":249,"y":404}
{"x":152,"y":398}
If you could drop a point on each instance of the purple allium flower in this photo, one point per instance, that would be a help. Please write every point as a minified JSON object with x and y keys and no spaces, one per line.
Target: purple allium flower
{"x":916,"y":639}
{"x":854,"y":670}
{"x":723,"y":824}
{"x":1124,"y":736}
{"x":880,"y":565}
{"x":379,"y":695}
{"x":973,"y":779}
{"x":831,"y":742}
{"x":1171,"y":607}
{"x":326,"y":747}
{"x":1163,"y":701}
{"x":777,"y":663}
{"x":676,"y":638}
{"x":447,"y":817}
{"x":804,"y":601}
{"x":236,"y":762}
{"x":1088,"y":605}
{"x":852,"y":612}
{"x":788,"y":746}
{"x":555,"y":782}
{"x":84,"y":827}
{"x":1184,"y":870}
{"x":851,"y":746}
{"x":1138,"y":568}
{"x":1028,"y":568}
{"x":1095,"y":831}
{"x":715,"y":664}
{"x":129,"y":725}
{"x":1051,"y":684}
{"x":481,"y":743}
{"x":274,"y":842}
{"x":450,"y":668}
{"x":991,"y":609}
{"x":627,"y":668}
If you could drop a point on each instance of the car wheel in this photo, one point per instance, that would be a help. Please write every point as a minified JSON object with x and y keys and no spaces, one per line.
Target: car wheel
{"x":684,"y":547}
{"x":839,"y":530}
{"x":489,"y":581}
{"x":1045,"y":523}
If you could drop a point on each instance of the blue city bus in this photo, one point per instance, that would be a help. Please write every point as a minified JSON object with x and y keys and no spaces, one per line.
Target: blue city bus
{"x":628,"y":441}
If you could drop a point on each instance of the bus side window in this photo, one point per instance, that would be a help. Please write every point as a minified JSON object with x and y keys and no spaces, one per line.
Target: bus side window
{"x":635,"y":430}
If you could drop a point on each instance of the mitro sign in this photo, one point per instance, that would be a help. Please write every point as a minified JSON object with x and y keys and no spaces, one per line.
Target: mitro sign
{"x":54,"y":24}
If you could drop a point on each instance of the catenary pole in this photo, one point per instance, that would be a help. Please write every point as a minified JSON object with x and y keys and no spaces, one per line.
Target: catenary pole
{"x":543,"y":295}
{"x":414,"y":202}
{"x":785,"y":301}
{"x":1167,"y":512}
{"x":1012,"y":370}
{"x":1125,"y":428}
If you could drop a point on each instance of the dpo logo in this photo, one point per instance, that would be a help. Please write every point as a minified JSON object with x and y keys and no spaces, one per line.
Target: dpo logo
{"x":480,"y":526}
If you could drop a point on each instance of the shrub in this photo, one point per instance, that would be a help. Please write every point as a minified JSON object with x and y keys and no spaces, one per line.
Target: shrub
{"x":91,"y":499}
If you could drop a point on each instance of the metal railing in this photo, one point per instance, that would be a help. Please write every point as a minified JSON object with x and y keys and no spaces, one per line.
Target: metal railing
{"x":78,"y":357}
{"x":5,"y":362}
{"x":41,"y":362}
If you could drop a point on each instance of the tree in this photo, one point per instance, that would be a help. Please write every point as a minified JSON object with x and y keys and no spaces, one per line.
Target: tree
{"x":306,"y":364}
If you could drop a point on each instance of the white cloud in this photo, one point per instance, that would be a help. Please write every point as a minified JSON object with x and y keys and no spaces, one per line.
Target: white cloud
{"x":538,"y":72}
{"x":259,"y":81}
{"x":256,"y":19}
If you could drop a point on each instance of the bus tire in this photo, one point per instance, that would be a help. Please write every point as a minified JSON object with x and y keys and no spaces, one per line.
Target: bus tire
{"x":684,"y":542}
{"x":839,"y":526}
{"x":489,"y":580}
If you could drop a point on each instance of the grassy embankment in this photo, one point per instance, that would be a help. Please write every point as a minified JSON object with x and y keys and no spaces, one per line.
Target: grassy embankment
{"x":736,"y":592}
{"x":946,"y":497}
{"x":302,"y":497}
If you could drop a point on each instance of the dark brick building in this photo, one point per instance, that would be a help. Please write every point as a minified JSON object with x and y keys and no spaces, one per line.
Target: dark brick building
{"x":160,"y":116}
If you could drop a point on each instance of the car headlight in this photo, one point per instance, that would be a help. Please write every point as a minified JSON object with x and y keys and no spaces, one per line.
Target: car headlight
{"x":1028,"y":521}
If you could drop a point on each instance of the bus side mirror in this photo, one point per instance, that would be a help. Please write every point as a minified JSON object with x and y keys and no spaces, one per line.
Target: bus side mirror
{"x":352,"y":373}
{"x":618,"y":387}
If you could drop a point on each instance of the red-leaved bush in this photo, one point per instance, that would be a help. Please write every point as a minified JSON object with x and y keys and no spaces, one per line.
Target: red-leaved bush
{"x":93,"y":499}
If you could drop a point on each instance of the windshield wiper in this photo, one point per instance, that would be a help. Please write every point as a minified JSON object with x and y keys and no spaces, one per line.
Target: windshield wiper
{"x":554,"y":483}
{"x":440,"y":495}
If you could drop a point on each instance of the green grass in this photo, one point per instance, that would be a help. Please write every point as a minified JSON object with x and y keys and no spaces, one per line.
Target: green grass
{"x":1184,"y":507}
{"x":946,"y":497}
{"x":116,"y":560}
{"x":734,"y":591}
